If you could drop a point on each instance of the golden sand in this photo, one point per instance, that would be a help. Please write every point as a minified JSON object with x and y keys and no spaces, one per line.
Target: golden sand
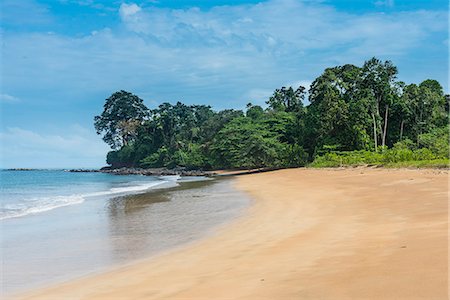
{"x":310,"y":234}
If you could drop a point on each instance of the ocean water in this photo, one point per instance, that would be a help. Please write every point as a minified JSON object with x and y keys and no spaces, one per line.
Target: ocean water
{"x":57,"y":225}
{"x":32,"y":192}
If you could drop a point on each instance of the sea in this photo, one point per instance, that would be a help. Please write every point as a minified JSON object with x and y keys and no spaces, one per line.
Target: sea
{"x":57,"y":225}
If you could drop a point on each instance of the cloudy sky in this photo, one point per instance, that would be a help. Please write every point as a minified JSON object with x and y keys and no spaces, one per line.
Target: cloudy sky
{"x":60,"y":59}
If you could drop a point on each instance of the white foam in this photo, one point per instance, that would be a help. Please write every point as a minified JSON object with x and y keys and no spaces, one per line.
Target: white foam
{"x":170,"y":177}
{"x":127,"y":189}
{"x":38,"y":205}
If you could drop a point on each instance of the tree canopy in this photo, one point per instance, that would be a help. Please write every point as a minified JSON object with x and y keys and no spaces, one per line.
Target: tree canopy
{"x":123,"y":113}
{"x":350,"y":108}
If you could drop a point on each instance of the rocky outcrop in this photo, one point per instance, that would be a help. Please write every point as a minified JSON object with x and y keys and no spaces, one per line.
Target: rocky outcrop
{"x":148,"y":172}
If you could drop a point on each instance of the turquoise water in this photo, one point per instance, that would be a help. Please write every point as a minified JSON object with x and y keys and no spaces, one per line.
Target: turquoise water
{"x":31,"y":192}
{"x":57,"y":226}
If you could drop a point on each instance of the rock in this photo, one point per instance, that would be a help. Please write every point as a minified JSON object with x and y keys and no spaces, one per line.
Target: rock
{"x":83,"y":170}
{"x":149,"y":172}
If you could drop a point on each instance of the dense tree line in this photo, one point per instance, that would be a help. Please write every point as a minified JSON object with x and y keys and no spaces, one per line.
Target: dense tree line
{"x":350,"y":108}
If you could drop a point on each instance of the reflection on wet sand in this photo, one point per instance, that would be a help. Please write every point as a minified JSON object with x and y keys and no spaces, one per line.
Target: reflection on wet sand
{"x":131,"y":203}
{"x":102,"y":233}
{"x":160,"y":219}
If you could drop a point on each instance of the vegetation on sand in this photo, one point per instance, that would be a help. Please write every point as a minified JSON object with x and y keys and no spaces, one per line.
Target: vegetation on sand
{"x":355,"y":116}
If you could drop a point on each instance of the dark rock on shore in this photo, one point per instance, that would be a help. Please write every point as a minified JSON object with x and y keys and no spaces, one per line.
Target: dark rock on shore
{"x":148,"y":172}
{"x":157,"y":172}
{"x":83,"y":170}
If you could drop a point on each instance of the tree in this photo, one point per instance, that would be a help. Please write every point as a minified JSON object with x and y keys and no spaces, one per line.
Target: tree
{"x":433,"y":103}
{"x":287,"y":99}
{"x":245,"y":143}
{"x":422,"y":109}
{"x":337,"y":116}
{"x":378,"y":83}
{"x":180,"y":135}
{"x":402,"y":110}
{"x":122,"y":114}
{"x":254,"y":112}
{"x":348,"y":106}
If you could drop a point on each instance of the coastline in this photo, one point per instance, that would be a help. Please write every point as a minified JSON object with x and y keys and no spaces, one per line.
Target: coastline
{"x":310,"y":233}
{"x":101,"y":234}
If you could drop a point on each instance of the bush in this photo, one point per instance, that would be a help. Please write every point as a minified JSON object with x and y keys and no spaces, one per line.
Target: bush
{"x":424,"y":154}
{"x":192,"y":158}
{"x":121,"y":158}
{"x":437,"y":141}
{"x":294,"y":156}
{"x":396,"y":155}
{"x":347,"y":158}
{"x":405,"y":144}
{"x":157,"y":159}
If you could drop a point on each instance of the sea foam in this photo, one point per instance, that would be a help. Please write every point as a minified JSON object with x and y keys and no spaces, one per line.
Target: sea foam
{"x":42,"y":204}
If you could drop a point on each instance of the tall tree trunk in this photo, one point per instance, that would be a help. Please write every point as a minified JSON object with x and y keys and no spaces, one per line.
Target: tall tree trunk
{"x":375,"y":132}
{"x":378,"y":105}
{"x":378,"y":115}
{"x":401,"y":129}
{"x":420,"y":126}
{"x":383,"y":142}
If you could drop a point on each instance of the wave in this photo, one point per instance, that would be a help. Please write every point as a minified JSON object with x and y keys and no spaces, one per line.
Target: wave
{"x":39,"y":205}
{"x":170,"y":177}
{"x":127,"y":189}
{"x":42,"y":204}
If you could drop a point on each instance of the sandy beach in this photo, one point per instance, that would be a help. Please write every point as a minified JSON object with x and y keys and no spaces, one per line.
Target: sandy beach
{"x":309,"y":234}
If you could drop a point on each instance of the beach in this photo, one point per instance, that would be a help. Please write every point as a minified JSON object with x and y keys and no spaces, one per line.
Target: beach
{"x":309,"y":234}
{"x":45,"y":245}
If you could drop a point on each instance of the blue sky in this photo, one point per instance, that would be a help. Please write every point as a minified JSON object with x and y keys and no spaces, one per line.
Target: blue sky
{"x":60,"y":59}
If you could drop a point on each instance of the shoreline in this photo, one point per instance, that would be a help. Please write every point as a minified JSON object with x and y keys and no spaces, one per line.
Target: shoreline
{"x":309,"y":233}
{"x":128,"y":229}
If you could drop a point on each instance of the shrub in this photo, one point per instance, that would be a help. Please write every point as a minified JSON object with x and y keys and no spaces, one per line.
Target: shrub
{"x":191,"y":158}
{"x":157,"y":159}
{"x":437,"y":141}
{"x":405,"y":144}
{"x":396,"y":155}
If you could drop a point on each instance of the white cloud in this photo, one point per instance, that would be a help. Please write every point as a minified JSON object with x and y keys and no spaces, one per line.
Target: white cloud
{"x":225,"y":56}
{"x":221,"y":56}
{"x":258,"y":96}
{"x":127,"y":10}
{"x":26,"y":148}
{"x":387,"y":3}
{"x":5,"y":98}
{"x":133,"y":18}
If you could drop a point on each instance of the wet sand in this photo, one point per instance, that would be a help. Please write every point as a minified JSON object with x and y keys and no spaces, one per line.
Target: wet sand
{"x":104,"y":233}
{"x":310,"y":234}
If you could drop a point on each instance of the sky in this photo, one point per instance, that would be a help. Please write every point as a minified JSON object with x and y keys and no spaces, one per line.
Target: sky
{"x":60,"y":59}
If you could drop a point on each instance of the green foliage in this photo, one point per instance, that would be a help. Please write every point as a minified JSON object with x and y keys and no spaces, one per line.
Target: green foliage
{"x":435,"y":163}
{"x":192,"y":158}
{"x":338,"y":114}
{"x":121,"y":158}
{"x":245,"y":143}
{"x":349,"y":158}
{"x":390,"y":157}
{"x":356,"y":116}
{"x":294,"y":156}
{"x":405,"y":144}
{"x":254,"y":112}
{"x":437,"y":141}
{"x":123,"y":113}
{"x":287,"y":99}
{"x":158,"y":159}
